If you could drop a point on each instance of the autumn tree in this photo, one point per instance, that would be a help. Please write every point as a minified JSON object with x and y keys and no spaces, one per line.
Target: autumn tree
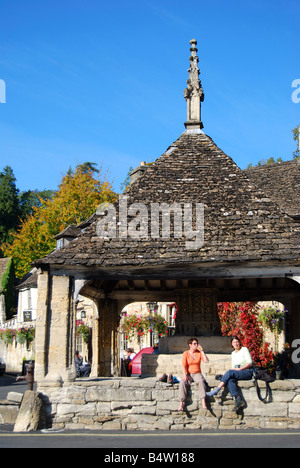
{"x":77,"y":198}
{"x":79,"y":194}
{"x":15,"y":206}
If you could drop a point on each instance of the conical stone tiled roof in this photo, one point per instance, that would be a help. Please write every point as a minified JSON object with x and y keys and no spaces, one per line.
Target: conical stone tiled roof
{"x":232,"y":219}
{"x":241,"y":224}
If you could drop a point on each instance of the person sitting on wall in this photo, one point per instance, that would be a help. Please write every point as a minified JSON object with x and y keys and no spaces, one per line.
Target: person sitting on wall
{"x":82,"y":369}
{"x":242,"y":369}
{"x":191,"y":363}
{"x":130,"y":355}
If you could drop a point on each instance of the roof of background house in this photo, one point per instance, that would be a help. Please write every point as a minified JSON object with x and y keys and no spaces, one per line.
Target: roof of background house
{"x":72,"y":231}
{"x":29,"y":281}
{"x":281,"y":182}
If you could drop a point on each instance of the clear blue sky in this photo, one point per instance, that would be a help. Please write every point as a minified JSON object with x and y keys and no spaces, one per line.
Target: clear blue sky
{"x":91,"y":80}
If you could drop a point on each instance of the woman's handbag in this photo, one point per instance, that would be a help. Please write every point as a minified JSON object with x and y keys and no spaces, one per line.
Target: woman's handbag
{"x":266,"y":376}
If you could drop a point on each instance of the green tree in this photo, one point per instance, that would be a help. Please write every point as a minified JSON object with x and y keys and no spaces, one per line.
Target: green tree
{"x":296,"y":154}
{"x":126,"y":182}
{"x":296,"y":137}
{"x":31,"y":199}
{"x":9,"y":205}
{"x":8,"y":289}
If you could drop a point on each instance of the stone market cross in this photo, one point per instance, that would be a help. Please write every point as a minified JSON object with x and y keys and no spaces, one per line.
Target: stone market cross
{"x":250,"y":251}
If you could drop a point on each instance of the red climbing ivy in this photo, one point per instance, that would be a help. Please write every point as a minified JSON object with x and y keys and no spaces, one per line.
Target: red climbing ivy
{"x":241,"y":319}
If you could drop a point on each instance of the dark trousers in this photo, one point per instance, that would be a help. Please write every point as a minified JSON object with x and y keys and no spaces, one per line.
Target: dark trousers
{"x":232,"y":377}
{"x":85,"y":371}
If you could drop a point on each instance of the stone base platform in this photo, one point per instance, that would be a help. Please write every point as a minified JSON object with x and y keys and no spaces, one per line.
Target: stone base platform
{"x":158,"y":364}
{"x":144,"y":404}
{"x":211,"y":344}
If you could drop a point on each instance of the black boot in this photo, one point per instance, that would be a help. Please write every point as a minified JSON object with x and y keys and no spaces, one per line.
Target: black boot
{"x":239,"y":403}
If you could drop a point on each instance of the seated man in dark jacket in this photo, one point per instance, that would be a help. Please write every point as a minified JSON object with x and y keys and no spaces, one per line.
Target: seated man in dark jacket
{"x":81,"y":370}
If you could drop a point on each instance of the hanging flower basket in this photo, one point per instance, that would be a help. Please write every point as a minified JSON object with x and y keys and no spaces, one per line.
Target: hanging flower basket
{"x":21,"y":336}
{"x":30,"y":334}
{"x":8,"y":336}
{"x":84,"y":331}
{"x":139,"y":325}
{"x":273,"y":319}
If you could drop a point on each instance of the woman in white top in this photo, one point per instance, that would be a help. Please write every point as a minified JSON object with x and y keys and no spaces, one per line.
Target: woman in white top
{"x":242,"y":369}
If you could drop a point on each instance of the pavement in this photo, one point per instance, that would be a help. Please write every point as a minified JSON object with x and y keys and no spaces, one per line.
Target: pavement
{"x":128,"y":443}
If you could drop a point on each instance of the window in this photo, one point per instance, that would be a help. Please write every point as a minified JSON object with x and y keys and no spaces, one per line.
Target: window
{"x":171,"y":316}
{"x":59,"y":244}
{"x":123,"y":343}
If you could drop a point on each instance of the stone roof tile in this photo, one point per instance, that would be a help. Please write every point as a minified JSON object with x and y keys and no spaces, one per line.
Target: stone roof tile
{"x":241,"y":222}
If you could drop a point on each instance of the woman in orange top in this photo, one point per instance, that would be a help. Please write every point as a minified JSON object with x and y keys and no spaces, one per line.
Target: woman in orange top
{"x":191,"y":363}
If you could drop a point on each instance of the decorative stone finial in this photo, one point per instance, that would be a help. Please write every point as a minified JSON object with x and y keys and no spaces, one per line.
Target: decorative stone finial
{"x":194,"y":94}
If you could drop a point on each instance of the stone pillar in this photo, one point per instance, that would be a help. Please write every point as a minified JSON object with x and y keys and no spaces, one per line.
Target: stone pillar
{"x":197,"y":313}
{"x":55,"y":328}
{"x":41,"y":327}
{"x":108,"y":360}
{"x":96,"y":348}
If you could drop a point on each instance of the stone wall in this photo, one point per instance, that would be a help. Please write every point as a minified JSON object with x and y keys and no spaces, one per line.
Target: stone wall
{"x":14,"y":354}
{"x":9,"y":408}
{"x":155,"y":365}
{"x":146,"y":404}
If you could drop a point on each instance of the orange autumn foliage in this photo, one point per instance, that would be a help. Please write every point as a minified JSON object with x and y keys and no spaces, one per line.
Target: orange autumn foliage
{"x":77,"y":198}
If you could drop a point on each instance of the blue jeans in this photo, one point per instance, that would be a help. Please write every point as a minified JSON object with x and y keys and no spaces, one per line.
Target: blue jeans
{"x":232,"y":377}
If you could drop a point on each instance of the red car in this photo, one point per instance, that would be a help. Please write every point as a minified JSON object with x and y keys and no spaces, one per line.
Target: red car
{"x":135,"y":365}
